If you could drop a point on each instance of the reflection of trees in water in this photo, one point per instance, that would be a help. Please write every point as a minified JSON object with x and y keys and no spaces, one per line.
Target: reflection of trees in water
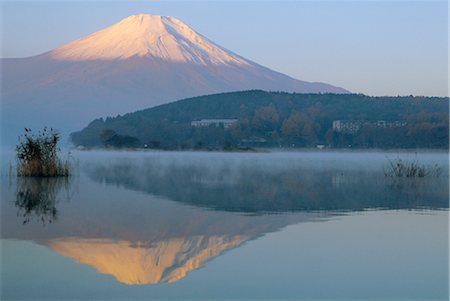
{"x":250,"y":188}
{"x":37,"y":197}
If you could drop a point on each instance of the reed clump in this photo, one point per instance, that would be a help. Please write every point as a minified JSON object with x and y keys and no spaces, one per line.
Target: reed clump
{"x":404,"y":168}
{"x":38,"y":155}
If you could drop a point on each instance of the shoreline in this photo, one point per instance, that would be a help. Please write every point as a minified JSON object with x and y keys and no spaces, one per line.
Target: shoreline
{"x":270,"y":150}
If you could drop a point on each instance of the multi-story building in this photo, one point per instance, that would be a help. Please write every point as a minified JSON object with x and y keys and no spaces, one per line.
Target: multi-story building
{"x":353,"y":126}
{"x":226,"y":123}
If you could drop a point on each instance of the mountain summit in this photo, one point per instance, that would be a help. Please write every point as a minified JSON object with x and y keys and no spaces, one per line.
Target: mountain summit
{"x":139,"y":62}
{"x":165,"y":38}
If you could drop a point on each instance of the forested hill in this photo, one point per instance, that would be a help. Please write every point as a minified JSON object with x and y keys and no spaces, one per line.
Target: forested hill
{"x":276,"y":119}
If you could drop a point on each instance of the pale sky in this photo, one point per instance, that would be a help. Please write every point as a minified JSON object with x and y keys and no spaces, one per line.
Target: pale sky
{"x":370,"y":47}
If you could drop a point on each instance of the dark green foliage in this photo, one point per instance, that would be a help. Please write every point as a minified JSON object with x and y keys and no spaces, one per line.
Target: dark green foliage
{"x":37,"y":155}
{"x":111,"y":139}
{"x":277,"y":119}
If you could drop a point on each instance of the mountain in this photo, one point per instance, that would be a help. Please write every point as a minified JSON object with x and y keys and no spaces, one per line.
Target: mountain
{"x":140,"y":62}
{"x":152,"y":37}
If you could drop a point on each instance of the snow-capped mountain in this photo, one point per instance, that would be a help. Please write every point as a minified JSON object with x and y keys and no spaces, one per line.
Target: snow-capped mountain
{"x":140,"y":62}
{"x":153,"y":37}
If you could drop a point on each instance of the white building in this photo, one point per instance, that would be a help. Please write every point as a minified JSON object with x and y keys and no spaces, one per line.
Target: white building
{"x":347,"y":126}
{"x":226,"y":123}
{"x":353,"y":126}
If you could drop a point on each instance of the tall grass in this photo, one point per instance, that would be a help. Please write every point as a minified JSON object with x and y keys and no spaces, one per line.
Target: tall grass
{"x":38,"y":155}
{"x":404,"y":168}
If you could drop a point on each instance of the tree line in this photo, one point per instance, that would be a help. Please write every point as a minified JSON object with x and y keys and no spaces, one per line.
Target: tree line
{"x":276,"y":119}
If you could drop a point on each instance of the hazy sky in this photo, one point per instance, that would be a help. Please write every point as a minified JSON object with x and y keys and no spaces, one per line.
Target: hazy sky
{"x":370,"y":47}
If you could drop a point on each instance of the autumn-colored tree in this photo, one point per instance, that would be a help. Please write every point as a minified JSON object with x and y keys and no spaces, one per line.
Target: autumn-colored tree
{"x":299,"y":127}
{"x":266,"y":118}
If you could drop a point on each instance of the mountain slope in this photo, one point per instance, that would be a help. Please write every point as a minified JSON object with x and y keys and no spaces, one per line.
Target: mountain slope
{"x":142,"y":61}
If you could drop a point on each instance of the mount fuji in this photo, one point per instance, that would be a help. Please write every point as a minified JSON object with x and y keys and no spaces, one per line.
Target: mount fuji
{"x":139,"y":62}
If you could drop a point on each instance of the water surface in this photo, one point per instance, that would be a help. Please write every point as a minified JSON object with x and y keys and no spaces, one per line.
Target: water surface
{"x":192,"y":225}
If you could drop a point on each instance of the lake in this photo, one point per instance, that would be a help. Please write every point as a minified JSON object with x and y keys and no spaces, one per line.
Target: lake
{"x":227,"y":226}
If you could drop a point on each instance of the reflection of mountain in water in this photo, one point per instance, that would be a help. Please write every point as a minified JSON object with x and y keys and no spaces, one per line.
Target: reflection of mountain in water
{"x":143,"y":263}
{"x":249,"y":188}
{"x":137,"y":238}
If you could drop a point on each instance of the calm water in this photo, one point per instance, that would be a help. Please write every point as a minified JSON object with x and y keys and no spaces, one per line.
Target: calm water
{"x":283,"y":225}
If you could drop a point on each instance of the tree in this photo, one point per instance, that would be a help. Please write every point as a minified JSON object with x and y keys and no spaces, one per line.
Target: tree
{"x":266,"y":119}
{"x":299,"y":128}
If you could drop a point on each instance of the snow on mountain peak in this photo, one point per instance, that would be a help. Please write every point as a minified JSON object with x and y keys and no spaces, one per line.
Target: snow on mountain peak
{"x":143,"y":35}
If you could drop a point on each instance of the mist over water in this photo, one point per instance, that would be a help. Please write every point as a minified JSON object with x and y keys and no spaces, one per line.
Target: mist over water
{"x":280,"y":181}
